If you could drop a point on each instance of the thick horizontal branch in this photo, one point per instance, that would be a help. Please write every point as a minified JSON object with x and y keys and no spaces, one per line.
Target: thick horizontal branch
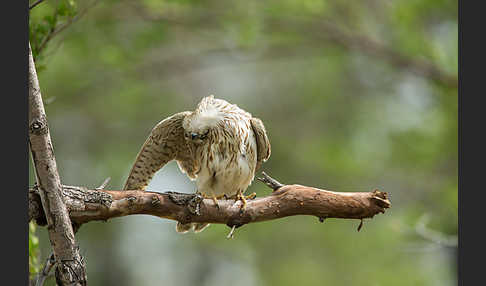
{"x":86,"y":205}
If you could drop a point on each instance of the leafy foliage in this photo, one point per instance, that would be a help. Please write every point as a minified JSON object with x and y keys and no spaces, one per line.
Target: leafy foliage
{"x":49,"y":18}
{"x":34,"y":252}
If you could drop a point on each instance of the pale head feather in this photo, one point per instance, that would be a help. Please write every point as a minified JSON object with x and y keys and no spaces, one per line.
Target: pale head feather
{"x":206,"y":116}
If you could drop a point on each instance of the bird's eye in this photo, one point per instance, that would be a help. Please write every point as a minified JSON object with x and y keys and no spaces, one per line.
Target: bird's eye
{"x":203,"y":136}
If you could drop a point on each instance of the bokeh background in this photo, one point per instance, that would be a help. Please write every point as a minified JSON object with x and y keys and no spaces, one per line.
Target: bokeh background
{"x":355,"y":95}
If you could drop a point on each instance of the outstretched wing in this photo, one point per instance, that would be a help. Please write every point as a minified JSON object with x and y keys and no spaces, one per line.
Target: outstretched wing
{"x":263,"y":144}
{"x":165,"y":143}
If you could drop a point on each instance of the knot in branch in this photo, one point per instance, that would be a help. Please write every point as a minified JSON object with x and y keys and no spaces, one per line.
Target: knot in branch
{"x":38,"y":126}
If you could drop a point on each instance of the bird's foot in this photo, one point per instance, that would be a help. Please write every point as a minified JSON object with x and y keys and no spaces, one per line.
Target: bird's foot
{"x":215,"y":200}
{"x":241,"y":197}
{"x":212,"y":197}
{"x":251,"y":196}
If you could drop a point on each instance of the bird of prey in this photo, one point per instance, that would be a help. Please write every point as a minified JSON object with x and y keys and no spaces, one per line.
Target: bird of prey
{"x":219,"y":145}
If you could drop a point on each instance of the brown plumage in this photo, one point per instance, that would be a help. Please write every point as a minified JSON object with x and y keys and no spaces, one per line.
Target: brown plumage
{"x":219,"y":145}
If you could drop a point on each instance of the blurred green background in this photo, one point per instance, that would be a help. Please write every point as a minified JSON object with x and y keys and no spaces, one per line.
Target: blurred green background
{"x":355,"y":95}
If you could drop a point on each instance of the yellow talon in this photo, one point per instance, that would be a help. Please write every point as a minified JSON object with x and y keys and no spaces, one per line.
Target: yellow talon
{"x":251,"y":196}
{"x":215,"y":200}
{"x":242,"y":198}
{"x":212,"y":197}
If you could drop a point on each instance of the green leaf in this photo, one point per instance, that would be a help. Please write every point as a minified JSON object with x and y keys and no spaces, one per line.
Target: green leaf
{"x":34,"y":265}
{"x":51,"y":21}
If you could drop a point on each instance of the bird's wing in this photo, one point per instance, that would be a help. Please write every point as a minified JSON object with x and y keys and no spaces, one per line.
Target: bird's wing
{"x":165,"y":143}
{"x":263,"y":144}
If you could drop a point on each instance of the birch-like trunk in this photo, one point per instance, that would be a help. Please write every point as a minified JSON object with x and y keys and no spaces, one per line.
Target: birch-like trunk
{"x":70,"y":268}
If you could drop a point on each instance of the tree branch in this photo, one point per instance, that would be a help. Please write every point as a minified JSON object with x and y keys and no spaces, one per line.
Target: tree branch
{"x":434,"y":236}
{"x":70,"y":268}
{"x":58,"y":29}
{"x":286,"y":200}
{"x":50,"y":262}
{"x":35,"y":4}
{"x":317,"y":28}
{"x":364,"y":44}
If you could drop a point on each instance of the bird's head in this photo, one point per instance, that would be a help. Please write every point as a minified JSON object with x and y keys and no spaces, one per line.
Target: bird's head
{"x":198,"y":125}
{"x":197,"y":135}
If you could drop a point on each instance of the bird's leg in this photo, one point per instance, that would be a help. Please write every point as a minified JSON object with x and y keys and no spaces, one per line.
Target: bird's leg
{"x":241,"y":197}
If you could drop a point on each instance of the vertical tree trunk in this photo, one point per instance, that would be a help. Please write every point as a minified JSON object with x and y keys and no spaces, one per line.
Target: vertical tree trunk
{"x":70,"y":267}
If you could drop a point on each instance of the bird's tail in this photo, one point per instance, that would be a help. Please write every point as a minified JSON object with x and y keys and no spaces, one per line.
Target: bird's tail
{"x":195,"y":226}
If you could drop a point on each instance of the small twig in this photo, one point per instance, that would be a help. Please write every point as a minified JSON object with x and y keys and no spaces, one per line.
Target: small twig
{"x":35,"y":4}
{"x":432,"y":235}
{"x":104,"y":184}
{"x":270,"y":182}
{"x":51,"y":261}
{"x":49,"y":100}
{"x":53,"y":32}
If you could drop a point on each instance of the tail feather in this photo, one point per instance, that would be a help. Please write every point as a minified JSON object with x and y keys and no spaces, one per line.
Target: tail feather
{"x":183,"y":228}
{"x":198,"y":227}
{"x":186,"y":227}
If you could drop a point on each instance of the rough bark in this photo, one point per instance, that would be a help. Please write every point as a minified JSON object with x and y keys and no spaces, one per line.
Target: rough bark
{"x":70,"y":268}
{"x":286,"y":200}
